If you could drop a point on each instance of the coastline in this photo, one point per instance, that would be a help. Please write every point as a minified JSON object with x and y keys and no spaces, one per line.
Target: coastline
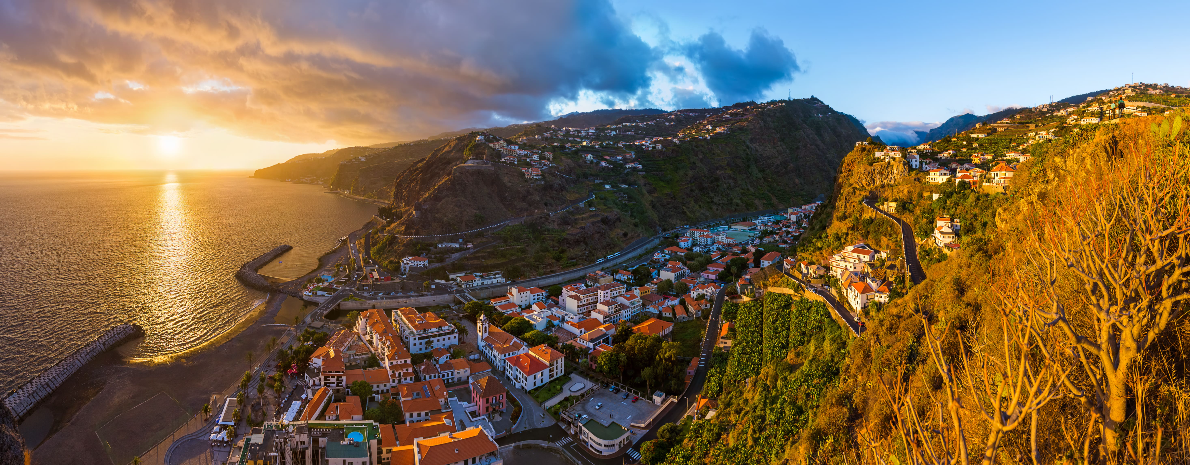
{"x":104,"y":409}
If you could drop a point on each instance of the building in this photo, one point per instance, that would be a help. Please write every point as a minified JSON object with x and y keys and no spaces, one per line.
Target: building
{"x":938,"y":176}
{"x":654,"y":327}
{"x":1002,"y":174}
{"x":769,"y":259}
{"x":945,"y":232}
{"x":378,"y":378}
{"x":525,"y":296}
{"x":421,"y":400}
{"x":413,"y":263}
{"x":472,"y":446}
{"x":349,"y":410}
{"x":526,"y":371}
{"x":487,"y":394}
{"x":424,"y":332}
{"x":496,"y":344}
{"x":859,"y":293}
{"x":604,"y":439}
{"x":852,"y":260}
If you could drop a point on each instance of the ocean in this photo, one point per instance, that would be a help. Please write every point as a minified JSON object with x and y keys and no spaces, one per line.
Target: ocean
{"x":83,"y":252}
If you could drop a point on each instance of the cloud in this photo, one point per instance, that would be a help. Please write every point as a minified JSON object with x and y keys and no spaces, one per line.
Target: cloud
{"x":899,"y":132}
{"x":688,"y":98}
{"x":309,"y":71}
{"x":741,"y":75}
{"x":994,"y":108}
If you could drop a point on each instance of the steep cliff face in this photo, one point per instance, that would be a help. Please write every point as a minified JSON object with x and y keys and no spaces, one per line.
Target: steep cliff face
{"x":313,"y":167}
{"x":372,"y":175}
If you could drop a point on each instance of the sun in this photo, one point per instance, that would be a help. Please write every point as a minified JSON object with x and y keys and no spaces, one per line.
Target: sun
{"x":169,"y":146}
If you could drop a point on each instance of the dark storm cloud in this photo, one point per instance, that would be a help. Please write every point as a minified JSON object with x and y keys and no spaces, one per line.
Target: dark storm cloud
{"x":741,"y":75}
{"x":312,"y":70}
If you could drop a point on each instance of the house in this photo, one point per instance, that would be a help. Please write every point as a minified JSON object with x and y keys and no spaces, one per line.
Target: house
{"x":526,"y":296}
{"x":945,"y":231}
{"x":349,"y":410}
{"x":317,"y":402}
{"x":378,"y":378}
{"x":859,"y":294}
{"x":424,"y":332}
{"x":654,"y":327}
{"x":769,"y":259}
{"x":472,"y":446}
{"x":1002,"y":174}
{"x":938,"y":176}
{"x":439,"y":355}
{"x":914,"y":160}
{"x":487,"y":394}
{"x":410,"y":263}
{"x":437,"y":425}
{"x":419,"y":400}
{"x":526,"y":371}
{"x":706,"y":291}
{"x":680,"y":313}
{"x":552,"y":358}
{"x":851,"y":259}
{"x":326,"y":370}
{"x":674,"y":271}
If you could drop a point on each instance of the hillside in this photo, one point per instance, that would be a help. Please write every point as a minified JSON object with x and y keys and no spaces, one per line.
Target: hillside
{"x":952,"y":351}
{"x":756,"y":157}
{"x":960,"y":123}
{"x":372,"y":175}
{"x":312,"y":167}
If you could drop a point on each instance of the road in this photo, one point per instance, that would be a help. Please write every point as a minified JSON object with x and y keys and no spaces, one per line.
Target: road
{"x":908,"y":245}
{"x":846,"y":316}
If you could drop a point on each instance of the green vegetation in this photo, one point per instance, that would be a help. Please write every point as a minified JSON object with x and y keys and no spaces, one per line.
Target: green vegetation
{"x":647,"y":363}
{"x":361,"y":389}
{"x":689,"y":334}
{"x":550,"y":389}
{"x":387,"y":411}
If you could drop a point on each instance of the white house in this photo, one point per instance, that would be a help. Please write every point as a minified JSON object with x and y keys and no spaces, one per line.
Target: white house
{"x":409,"y":263}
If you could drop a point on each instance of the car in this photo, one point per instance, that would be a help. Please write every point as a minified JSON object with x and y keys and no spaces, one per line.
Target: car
{"x":599,"y":406}
{"x":625,"y":396}
{"x":611,"y":388}
{"x":634,"y":399}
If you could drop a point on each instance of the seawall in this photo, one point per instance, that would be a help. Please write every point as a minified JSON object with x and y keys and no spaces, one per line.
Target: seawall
{"x":24,"y":398}
{"x":248,"y":273}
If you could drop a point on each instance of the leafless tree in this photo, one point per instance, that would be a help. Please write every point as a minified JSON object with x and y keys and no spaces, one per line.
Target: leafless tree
{"x":1113,"y":254}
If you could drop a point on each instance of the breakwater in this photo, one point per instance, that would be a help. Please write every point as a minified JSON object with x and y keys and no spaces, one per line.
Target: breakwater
{"x":24,"y":398}
{"x":249,"y":276}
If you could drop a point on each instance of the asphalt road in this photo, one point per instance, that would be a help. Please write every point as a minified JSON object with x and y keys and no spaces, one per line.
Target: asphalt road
{"x":908,"y":244}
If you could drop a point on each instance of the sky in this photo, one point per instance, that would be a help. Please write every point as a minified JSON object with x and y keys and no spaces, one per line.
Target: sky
{"x":242,"y":84}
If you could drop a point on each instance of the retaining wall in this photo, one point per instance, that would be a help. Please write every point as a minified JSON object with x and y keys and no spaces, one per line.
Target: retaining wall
{"x":24,"y":398}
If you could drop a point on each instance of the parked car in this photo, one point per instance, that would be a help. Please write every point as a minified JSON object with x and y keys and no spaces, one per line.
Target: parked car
{"x":625,"y":396}
{"x":599,"y":406}
{"x":634,"y":399}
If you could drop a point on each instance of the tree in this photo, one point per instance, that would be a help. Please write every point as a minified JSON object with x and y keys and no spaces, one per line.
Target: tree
{"x":611,"y":363}
{"x":641,"y":275}
{"x":476,"y":308}
{"x":555,"y":290}
{"x":536,"y":338}
{"x":653,"y":452}
{"x":362,"y":389}
{"x":349,"y":322}
{"x":206,"y":410}
{"x":244,"y":380}
{"x":517,"y":326}
{"x":260,"y":393}
{"x":681,"y":288}
{"x":372,"y":362}
{"x":665,"y":287}
{"x":1118,"y":231}
{"x":386,"y":412}
{"x":624,"y":332}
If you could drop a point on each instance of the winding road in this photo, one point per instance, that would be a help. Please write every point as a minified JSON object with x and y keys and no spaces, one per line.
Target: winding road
{"x":840,"y":310}
{"x":908,"y":245}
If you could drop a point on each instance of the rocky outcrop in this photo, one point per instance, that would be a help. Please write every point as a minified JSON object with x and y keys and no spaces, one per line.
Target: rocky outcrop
{"x":12,"y":445}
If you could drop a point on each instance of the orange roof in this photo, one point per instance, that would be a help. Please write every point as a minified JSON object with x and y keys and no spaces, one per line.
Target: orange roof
{"x":387,"y":438}
{"x":526,"y":364}
{"x":420,"y":405}
{"x":404,"y":455}
{"x":546,"y":353}
{"x":487,"y":386}
{"x":434,"y":389}
{"x":454,"y":448}
{"x":652,"y":327}
{"x":862,"y":287}
{"x":333,"y":363}
{"x":438,"y":424}
{"x":587,"y":325}
{"x":346,"y":410}
{"x":479,"y":367}
{"x":315,"y":405}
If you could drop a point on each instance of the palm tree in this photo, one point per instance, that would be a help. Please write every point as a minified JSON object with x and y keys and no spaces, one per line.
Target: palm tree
{"x":136,"y":460}
{"x":248,"y":356}
{"x":260,"y":393}
{"x":206,"y":410}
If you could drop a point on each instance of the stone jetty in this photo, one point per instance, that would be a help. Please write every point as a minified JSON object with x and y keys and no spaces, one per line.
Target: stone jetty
{"x":24,"y":398}
{"x":249,"y":276}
